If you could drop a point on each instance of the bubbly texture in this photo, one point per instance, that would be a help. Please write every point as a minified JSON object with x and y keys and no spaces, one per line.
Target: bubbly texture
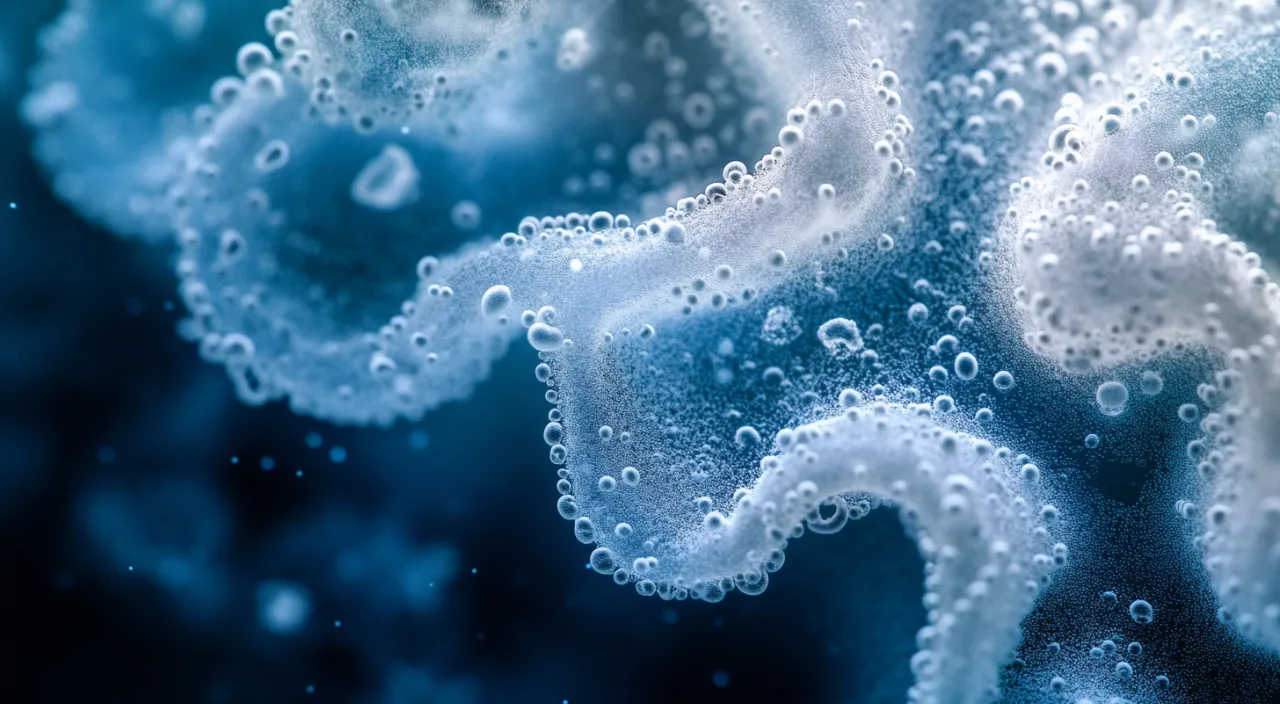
{"x":114,"y":101}
{"x":783,"y":255}
{"x":1123,"y":255}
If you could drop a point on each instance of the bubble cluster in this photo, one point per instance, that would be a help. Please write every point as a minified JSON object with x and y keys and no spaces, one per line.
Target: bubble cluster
{"x":961,"y":498}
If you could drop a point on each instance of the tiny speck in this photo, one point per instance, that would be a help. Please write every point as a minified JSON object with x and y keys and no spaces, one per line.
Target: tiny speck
{"x":235,"y":460}
{"x":337,"y":454}
{"x":474,"y":570}
{"x":337,"y":624}
{"x":314,"y":441}
{"x":106,"y":454}
{"x":267,"y":463}
{"x":298,"y":473}
{"x":311,"y":689}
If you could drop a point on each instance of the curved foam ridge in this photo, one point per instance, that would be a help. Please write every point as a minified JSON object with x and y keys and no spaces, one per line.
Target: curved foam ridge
{"x":298,"y":247}
{"x":1120,"y":260}
{"x":283,"y":293}
{"x":113,"y":96}
{"x":301,"y":231}
{"x":986,"y":552}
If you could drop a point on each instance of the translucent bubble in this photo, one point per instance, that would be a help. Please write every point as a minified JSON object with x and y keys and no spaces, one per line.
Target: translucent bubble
{"x":465,"y":215}
{"x":602,"y":561}
{"x":1003,"y":380}
{"x":545,"y":338}
{"x":1188,"y":413}
{"x":944,"y":404}
{"x":747,"y":436}
{"x":284,"y":607}
{"x":1112,"y":397}
{"x":388,"y":182}
{"x":966,"y":366}
{"x":1141,"y":612}
{"x":495,"y":301}
{"x":1152,"y":383}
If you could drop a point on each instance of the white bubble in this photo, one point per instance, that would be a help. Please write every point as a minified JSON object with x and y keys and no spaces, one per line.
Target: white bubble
{"x":495,"y":301}
{"x":966,"y":366}
{"x":545,"y":338}
{"x":388,"y":182}
{"x":840,"y":336}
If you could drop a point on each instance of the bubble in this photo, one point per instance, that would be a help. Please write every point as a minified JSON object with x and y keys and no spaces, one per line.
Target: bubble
{"x":1152,"y":383}
{"x":284,"y":607}
{"x":600,"y":221}
{"x":1009,"y":101}
{"x":602,"y":560}
{"x":1188,"y":413}
{"x":495,"y":301}
{"x":944,"y":404}
{"x":272,"y":157}
{"x":747,"y":436}
{"x":840,"y":336}
{"x":388,"y":182}
{"x":545,"y":338}
{"x":790,"y":136}
{"x":465,"y":215}
{"x":1003,"y":381}
{"x":1091,"y":441}
{"x":918,"y":313}
{"x":1030,"y":474}
{"x":1141,"y":612}
{"x":966,"y":366}
{"x":1112,"y":397}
